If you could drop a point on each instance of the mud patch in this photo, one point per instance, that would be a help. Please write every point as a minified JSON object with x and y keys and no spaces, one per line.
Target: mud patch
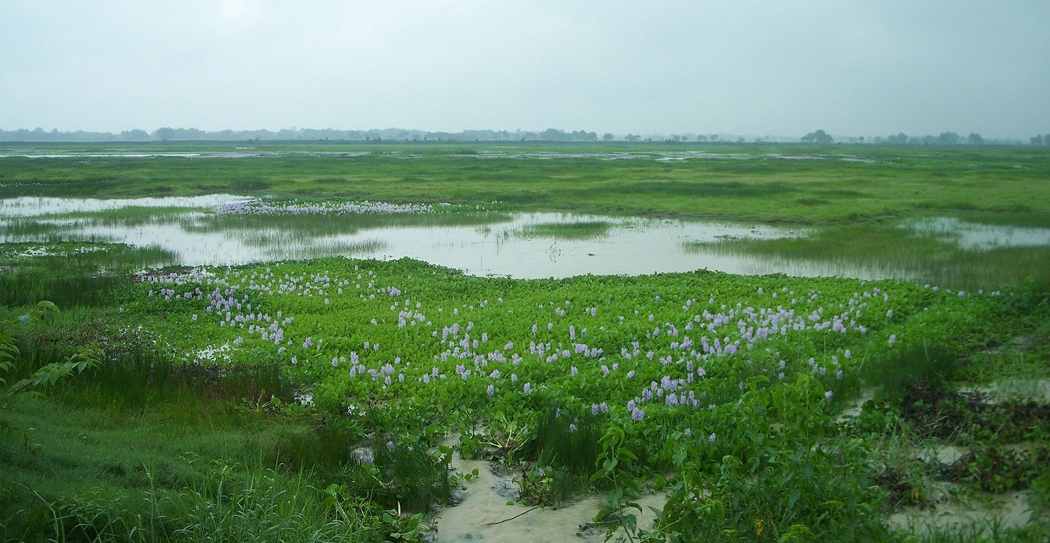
{"x":947,"y":415}
{"x":1005,"y":511}
{"x":487,"y":512}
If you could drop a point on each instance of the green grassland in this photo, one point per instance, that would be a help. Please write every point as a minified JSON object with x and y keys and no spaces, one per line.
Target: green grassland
{"x":785,"y":184}
{"x":323,"y":399}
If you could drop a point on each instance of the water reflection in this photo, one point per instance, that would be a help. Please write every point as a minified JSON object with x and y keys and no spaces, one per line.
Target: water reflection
{"x":32,"y":206}
{"x":527,"y":245}
{"x":977,"y":237}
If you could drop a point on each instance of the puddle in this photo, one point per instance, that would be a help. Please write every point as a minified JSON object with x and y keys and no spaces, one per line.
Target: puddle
{"x":857,"y":406}
{"x":487,"y":513}
{"x":1005,"y":390}
{"x":981,"y":237}
{"x":942,"y":454}
{"x":1008,"y":511}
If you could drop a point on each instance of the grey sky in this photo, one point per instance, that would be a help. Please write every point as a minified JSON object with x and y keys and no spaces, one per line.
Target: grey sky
{"x":753,"y":68}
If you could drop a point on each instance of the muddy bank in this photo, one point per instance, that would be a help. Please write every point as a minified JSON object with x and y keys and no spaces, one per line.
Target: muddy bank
{"x":488,"y":512}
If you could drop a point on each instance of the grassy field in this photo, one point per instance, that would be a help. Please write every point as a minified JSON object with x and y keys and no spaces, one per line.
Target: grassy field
{"x":793,"y":184}
{"x":325,"y":399}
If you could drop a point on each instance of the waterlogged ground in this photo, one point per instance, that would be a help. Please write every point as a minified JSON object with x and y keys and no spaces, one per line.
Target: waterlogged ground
{"x":231,"y":230}
{"x":763,"y":406}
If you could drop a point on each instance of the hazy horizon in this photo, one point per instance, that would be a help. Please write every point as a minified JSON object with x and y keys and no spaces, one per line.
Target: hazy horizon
{"x":862,"y":68}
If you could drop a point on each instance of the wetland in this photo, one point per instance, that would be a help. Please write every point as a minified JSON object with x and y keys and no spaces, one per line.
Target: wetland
{"x":410,"y":342}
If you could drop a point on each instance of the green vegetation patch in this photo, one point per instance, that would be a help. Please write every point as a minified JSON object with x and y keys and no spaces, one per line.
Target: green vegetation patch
{"x":568,"y":230}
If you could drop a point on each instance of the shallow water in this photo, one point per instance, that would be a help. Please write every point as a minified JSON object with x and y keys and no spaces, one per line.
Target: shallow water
{"x":32,"y":206}
{"x":981,"y":237}
{"x":487,"y":512}
{"x":489,"y":245}
{"x":1007,"y":510}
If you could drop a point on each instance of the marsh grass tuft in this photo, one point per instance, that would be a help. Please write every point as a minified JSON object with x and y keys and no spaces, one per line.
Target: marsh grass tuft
{"x":920,"y":366}
{"x":71,"y":274}
{"x":569,"y":230}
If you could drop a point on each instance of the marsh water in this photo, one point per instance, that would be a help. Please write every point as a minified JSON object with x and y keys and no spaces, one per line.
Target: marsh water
{"x":518,"y":245}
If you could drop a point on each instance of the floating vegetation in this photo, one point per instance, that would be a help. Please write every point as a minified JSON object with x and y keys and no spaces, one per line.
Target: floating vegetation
{"x":259,"y":207}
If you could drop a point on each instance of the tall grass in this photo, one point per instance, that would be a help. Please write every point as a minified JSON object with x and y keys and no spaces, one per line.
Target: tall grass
{"x":263,"y":505}
{"x":571,"y":230}
{"x":70,"y":274}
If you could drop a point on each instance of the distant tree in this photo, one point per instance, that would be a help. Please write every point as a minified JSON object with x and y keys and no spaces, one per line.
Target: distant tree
{"x":975,"y":139}
{"x":948,"y":138}
{"x":164,"y":134}
{"x":820,"y":136}
{"x":1036,"y":140}
{"x":632,"y":137}
{"x":608,"y":136}
{"x":552,"y":134}
{"x":900,"y":139}
{"x":134,"y":135}
{"x":701,"y":138}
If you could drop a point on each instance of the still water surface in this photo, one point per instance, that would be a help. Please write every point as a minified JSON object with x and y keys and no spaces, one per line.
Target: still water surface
{"x":496,"y":244}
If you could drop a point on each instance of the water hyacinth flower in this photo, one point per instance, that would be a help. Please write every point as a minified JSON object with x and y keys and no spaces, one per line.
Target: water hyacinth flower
{"x":828,"y":394}
{"x":637,"y":414}
{"x":712,"y":437}
{"x":527,"y":388}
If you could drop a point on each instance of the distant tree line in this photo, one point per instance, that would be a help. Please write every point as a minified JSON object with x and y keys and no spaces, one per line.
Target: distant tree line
{"x":551,"y":134}
{"x":294,"y":134}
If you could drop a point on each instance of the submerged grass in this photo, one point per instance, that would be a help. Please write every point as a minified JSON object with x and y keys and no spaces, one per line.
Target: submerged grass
{"x":70,"y":274}
{"x":568,"y":230}
{"x":923,"y":257}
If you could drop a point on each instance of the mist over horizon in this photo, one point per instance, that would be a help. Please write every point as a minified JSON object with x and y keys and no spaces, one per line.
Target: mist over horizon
{"x":753,"y":70}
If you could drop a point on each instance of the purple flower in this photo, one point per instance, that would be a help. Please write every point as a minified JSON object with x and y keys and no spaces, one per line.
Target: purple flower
{"x":828,"y":394}
{"x":712,"y":437}
{"x":637,"y":414}
{"x":490,"y":390}
{"x":527,"y":388}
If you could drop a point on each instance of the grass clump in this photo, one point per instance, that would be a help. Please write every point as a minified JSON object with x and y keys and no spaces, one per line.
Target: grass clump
{"x":569,"y":230}
{"x":930,"y":368}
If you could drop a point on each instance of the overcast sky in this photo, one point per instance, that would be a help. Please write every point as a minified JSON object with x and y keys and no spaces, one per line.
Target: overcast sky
{"x":739,"y":67}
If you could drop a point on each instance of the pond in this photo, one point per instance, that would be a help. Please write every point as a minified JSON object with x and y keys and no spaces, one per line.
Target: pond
{"x":518,"y":245}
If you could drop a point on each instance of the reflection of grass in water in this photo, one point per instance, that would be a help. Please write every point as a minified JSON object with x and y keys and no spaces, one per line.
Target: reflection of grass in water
{"x":933,"y":258}
{"x":69,"y":276}
{"x":26,"y":229}
{"x":327,"y":225}
{"x":569,"y":230}
{"x":318,"y":250}
{"x":295,"y":245}
{"x":125,"y":216}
